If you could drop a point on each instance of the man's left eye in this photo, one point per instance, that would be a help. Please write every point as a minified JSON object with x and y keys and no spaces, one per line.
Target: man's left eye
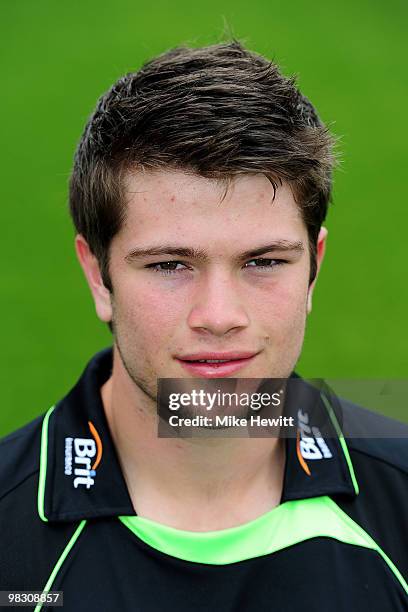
{"x":167,"y":267}
{"x":264,"y":263}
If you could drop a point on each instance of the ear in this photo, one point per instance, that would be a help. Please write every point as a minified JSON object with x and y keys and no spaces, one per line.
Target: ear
{"x":321,"y":248}
{"x":90,"y":266}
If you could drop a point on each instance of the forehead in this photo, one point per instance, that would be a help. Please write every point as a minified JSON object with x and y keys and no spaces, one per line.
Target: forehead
{"x":169,"y":203}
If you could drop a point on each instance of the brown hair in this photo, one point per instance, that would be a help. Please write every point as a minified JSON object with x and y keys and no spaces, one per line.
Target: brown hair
{"x":218,"y":111}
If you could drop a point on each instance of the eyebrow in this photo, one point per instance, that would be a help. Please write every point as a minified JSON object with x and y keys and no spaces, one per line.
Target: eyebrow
{"x":199,"y":254}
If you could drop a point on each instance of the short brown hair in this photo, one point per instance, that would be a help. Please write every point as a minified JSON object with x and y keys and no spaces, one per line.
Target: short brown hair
{"x":218,"y":111}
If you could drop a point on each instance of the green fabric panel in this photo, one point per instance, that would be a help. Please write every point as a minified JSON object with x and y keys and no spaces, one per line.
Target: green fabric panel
{"x":284,"y":526}
{"x":43,"y":465}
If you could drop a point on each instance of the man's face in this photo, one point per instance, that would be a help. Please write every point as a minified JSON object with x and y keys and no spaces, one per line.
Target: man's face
{"x":199,"y":277}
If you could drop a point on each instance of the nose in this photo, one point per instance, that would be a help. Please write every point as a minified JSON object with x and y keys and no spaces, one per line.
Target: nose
{"x":217,"y":308}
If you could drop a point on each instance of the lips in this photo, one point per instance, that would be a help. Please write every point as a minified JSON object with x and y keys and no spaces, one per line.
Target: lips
{"x":216,"y":365}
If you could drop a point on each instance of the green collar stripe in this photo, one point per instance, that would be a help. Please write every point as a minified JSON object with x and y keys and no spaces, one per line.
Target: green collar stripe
{"x":342,"y":442}
{"x":286,"y":525}
{"x":60,"y":561}
{"x":43,"y":465}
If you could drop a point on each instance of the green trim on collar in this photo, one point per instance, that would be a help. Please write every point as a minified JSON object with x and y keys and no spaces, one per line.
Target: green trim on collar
{"x":342,"y":441}
{"x":43,"y":465}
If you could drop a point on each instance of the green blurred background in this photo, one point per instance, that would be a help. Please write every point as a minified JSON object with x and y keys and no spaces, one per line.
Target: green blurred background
{"x":57,"y":58}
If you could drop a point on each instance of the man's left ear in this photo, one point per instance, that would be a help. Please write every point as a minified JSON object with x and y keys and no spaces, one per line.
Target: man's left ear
{"x":321,"y":248}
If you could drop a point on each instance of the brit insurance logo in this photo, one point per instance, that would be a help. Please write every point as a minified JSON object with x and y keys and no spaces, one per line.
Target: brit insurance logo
{"x":82,"y":457}
{"x":310,"y":444}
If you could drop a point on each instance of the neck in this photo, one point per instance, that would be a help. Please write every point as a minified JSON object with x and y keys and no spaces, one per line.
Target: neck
{"x":196,"y":484}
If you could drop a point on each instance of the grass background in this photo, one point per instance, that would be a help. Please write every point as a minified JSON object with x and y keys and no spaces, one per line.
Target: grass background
{"x":57,"y":58}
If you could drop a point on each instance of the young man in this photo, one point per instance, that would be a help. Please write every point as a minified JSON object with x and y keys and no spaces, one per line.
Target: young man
{"x":198,"y":194}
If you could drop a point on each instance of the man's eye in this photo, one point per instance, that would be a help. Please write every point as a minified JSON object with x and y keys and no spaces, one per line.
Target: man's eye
{"x":263,"y":262}
{"x":167,"y":267}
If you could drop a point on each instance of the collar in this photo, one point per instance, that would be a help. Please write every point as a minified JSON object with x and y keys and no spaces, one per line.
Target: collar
{"x":80,"y":474}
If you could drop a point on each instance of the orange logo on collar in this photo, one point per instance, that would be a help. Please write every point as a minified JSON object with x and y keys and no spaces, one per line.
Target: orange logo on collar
{"x":299,"y":455}
{"x":98,"y":445}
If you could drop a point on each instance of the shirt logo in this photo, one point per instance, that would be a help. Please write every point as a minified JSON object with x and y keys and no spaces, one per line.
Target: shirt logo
{"x":309,"y":442}
{"x":79,"y":453}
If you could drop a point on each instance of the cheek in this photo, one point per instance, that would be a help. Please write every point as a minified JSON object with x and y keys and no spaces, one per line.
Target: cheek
{"x":147,"y":315}
{"x":282,"y":304}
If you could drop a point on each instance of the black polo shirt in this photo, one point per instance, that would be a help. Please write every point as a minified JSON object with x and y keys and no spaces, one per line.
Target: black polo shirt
{"x":338,"y":541}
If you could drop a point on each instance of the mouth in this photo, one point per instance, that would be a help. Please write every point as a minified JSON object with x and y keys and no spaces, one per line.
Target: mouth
{"x":215,"y":365}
